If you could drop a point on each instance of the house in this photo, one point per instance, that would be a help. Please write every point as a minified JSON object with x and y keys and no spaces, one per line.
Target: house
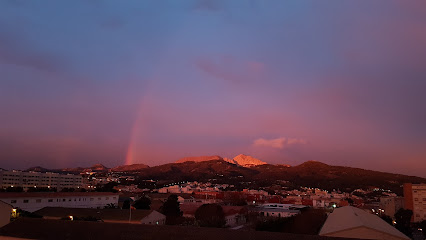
{"x":278,"y":210}
{"x":352,"y":222}
{"x":135,"y":216}
{"x":234,"y":215}
{"x":33,"y":201}
{"x":81,"y":230}
{"x":5,"y":213}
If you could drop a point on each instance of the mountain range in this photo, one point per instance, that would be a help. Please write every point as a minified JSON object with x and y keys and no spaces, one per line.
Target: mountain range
{"x":243,"y":168}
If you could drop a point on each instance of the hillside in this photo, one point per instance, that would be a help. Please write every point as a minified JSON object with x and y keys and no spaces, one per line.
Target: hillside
{"x":199,"y":159}
{"x":129,"y":168}
{"x":310,"y":174}
{"x":197,"y":171}
{"x":241,"y":160}
{"x":215,"y":168}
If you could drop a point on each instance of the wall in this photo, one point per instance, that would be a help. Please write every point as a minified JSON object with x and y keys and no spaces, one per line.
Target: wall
{"x":5,"y":211}
{"x":36,"y":203}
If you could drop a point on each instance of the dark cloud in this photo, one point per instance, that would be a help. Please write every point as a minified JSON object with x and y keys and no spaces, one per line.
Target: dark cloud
{"x":16,"y":50}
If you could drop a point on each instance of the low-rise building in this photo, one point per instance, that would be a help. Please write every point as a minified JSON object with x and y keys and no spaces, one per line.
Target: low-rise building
{"x":277,"y":210}
{"x":135,"y":216}
{"x":33,"y":201}
{"x":390,"y":205}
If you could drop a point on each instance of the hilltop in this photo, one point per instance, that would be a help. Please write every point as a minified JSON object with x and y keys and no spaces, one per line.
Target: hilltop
{"x":240,"y":160}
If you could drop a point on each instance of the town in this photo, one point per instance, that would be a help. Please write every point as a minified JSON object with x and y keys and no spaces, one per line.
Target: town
{"x":122,"y":197}
{"x":212,"y":119}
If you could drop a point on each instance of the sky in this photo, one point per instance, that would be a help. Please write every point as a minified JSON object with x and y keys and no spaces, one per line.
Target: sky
{"x":123,"y":82}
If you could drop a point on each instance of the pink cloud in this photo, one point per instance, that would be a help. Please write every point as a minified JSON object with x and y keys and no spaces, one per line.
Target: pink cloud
{"x":277,"y":142}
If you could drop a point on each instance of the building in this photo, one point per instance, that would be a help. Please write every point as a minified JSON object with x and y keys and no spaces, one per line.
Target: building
{"x":5,"y":213}
{"x":37,"y":179}
{"x":234,"y":215}
{"x":82,"y":230}
{"x":415,"y":200}
{"x":352,"y":222}
{"x":33,"y":201}
{"x":135,"y":216}
{"x":278,"y":210}
{"x":390,"y":205}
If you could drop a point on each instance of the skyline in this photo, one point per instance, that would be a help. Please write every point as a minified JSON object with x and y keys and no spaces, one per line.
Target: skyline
{"x":150,"y":82}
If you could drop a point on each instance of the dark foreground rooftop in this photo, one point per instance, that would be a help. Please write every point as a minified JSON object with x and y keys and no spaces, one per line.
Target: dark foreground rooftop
{"x":31,"y":228}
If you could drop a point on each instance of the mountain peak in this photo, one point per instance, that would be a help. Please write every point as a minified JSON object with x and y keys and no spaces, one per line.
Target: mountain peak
{"x":98,"y":167}
{"x":247,"y":161}
{"x":313,"y":163}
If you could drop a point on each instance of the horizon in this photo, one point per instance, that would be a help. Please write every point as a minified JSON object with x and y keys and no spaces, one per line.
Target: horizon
{"x":175,"y":162}
{"x":148,"y":82}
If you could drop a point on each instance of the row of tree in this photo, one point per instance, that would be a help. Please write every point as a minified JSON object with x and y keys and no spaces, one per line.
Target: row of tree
{"x":207,"y":215}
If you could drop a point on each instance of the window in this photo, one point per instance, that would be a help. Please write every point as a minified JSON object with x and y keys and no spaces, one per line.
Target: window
{"x":50,"y":200}
{"x":63,"y":200}
{"x":38,"y":201}
{"x":107,"y":198}
{"x":25,"y":201}
{"x":91,"y":199}
{"x":13,"y":201}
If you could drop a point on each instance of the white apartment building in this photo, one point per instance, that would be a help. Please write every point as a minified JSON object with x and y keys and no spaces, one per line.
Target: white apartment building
{"x":33,"y":201}
{"x":37,"y":179}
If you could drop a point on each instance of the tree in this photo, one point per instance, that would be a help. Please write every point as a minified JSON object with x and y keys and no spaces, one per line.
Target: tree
{"x":387,"y":219}
{"x":110,"y":206}
{"x":142,"y":203}
{"x":210,"y":215}
{"x":403,"y":220}
{"x":350,"y":201}
{"x":422,"y":225}
{"x":67,"y":190}
{"x":14,"y":189}
{"x":126,"y":204}
{"x":172,"y":210}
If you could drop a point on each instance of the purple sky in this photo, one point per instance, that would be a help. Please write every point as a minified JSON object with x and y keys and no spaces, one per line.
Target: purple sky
{"x":342,"y":82}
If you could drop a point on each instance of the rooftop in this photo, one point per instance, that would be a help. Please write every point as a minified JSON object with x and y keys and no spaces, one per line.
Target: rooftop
{"x":57,"y":229}
{"x":105,"y":214}
{"x":351,"y":217}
